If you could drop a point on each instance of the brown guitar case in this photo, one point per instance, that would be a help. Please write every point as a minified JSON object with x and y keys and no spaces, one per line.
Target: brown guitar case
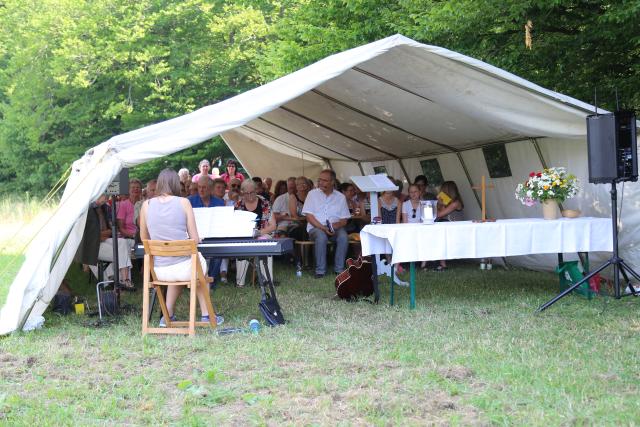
{"x":357,"y":280}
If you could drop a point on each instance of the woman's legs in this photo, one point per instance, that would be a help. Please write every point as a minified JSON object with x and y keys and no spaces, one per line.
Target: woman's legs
{"x":173,"y":292}
{"x":180,"y":272}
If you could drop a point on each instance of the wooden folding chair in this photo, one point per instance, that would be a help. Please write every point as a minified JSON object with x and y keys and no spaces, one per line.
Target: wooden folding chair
{"x":199,"y":283}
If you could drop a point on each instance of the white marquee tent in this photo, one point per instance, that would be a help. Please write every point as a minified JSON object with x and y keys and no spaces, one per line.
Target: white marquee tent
{"x":391,"y":103}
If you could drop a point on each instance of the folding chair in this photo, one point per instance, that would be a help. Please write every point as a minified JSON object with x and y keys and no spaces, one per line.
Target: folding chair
{"x":199,"y":282}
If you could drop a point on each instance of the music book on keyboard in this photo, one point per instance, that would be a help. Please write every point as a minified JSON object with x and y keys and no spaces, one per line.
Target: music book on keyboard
{"x":224,"y":221}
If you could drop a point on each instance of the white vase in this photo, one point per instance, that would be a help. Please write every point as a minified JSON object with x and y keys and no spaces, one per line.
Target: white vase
{"x":550,"y":209}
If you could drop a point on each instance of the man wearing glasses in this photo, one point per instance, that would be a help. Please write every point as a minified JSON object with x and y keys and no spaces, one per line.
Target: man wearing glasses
{"x":327,"y":213}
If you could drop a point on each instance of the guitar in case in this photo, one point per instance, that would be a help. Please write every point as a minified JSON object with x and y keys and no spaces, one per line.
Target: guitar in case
{"x":357,"y":281}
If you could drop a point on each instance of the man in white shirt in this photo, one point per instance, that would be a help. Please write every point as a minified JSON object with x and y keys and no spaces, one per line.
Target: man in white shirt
{"x":327,"y":212}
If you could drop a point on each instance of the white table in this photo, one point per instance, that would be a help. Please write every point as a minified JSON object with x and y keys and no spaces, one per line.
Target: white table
{"x":466,"y":239}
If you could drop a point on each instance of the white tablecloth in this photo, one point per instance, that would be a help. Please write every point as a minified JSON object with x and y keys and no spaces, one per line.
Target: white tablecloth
{"x":466,"y":239}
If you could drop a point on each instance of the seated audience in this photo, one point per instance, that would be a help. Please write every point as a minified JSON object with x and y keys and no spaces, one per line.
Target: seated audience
{"x":185,"y":177}
{"x":450,"y":208}
{"x":356,"y":208}
{"x":266,"y":186}
{"x":204,"y":198}
{"x":204,"y":167}
{"x":423,"y":185}
{"x":411,"y":212}
{"x":280,"y":208}
{"x":298,"y":228}
{"x":450,"y":204}
{"x":389,"y":207}
{"x":398,"y":193}
{"x":390,"y":212}
{"x":232,"y":172}
{"x":169,"y":217}
{"x":193,"y":189}
{"x":260,"y":188}
{"x":97,"y":244}
{"x":291,"y":185}
{"x":219,"y":189}
{"x":327,"y":213}
{"x":265,"y":225}
{"x":234,"y":184}
{"x":149,"y":193}
{"x":125,"y":212}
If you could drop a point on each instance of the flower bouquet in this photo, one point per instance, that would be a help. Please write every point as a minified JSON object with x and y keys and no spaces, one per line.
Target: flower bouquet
{"x":549,"y":184}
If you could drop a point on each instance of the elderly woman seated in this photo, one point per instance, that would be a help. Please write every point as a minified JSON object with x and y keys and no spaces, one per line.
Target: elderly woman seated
{"x":265,"y":224}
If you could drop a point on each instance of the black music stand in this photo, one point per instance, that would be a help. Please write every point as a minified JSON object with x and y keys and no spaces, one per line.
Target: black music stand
{"x":619,"y":266}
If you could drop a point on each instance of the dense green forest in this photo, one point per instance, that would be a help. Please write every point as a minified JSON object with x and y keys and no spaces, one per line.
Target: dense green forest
{"x":74,"y":73}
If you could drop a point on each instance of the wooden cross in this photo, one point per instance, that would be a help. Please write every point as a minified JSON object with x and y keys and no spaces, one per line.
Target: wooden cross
{"x":483,"y":189}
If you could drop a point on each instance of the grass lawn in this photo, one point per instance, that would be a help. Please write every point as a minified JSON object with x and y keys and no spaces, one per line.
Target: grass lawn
{"x":9,"y":266}
{"x":473,"y":352}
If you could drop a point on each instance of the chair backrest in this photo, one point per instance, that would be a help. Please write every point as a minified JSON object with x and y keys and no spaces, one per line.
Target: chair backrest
{"x":168,"y":248}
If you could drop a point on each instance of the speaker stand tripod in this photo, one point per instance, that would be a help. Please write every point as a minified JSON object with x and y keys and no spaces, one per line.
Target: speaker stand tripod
{"x":619,"y":266}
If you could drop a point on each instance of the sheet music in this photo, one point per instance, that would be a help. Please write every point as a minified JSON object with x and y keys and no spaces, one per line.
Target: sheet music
{"x":224,"y":221}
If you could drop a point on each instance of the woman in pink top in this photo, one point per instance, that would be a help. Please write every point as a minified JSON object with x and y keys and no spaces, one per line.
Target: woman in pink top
{"x":204,"y":167}
{"x":232,"y":172}
{"x":125,"y":214}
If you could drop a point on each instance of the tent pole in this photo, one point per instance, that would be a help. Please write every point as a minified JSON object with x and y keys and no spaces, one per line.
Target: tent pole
{"x":466,"y":172}
{"x":404,"y":171}
{"x":330,"y":165}
{"x":361,"y":168}
{"x":534,"y":141}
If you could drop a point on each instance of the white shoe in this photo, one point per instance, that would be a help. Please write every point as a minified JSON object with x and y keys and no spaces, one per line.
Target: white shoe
{"x":163,"y":324}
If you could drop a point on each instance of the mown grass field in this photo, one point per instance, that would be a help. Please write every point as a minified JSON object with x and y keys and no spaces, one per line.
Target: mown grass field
{"x":473,"y":352}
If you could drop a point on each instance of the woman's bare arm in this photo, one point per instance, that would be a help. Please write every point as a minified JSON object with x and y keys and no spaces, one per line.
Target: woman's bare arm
{"x":144,"y":231}
{"x":192,"y":230}
{"x":446,"y":210}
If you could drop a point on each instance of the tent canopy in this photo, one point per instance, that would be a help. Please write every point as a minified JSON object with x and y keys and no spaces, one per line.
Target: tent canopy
{"x":391,"y":103}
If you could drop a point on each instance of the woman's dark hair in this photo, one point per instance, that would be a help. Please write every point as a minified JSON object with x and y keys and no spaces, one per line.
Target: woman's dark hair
{"x":421,"y":178}
{"x":451,"y":189}
{"x":168,"y":183}
{"x":344,"y":186}
{"x":281,"y":188}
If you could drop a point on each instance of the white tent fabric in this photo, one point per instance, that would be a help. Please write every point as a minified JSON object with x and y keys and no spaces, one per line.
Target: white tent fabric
{"x":390,"y":103}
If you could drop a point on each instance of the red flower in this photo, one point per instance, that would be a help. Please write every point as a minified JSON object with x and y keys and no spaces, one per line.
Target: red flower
{"x":532,"y":174}
{"x":539,"y":174}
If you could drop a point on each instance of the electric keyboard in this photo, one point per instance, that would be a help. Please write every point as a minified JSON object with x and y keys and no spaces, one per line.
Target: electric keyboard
{"x":237,"y":247}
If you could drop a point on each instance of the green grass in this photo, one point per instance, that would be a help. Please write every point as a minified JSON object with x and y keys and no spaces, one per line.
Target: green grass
{"x":473,"y":352}
{"x":9,"y":266}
